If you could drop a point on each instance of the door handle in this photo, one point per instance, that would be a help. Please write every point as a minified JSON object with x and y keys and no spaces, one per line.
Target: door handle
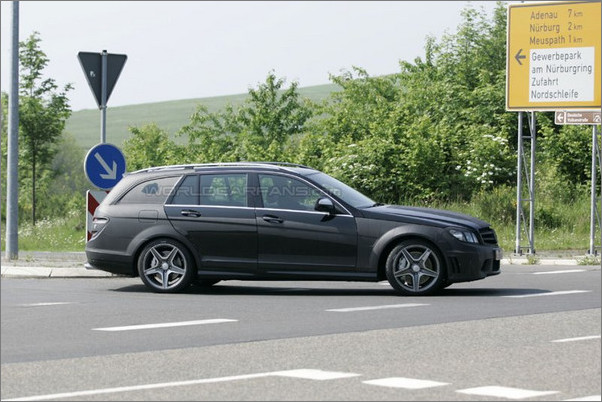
{"x":272,"y":219}
{"x":190,"y":212}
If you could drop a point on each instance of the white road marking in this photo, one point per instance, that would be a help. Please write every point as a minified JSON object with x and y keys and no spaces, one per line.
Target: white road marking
{"x":165,"y":325}
{"x":388,"y":306}
{"x":303,"y":373}
{"x":581,"y":338}
{"x":568,"y":271}
{"x":586,"y":398}
{"x":564,"y":292}
{"x":310,"y":374}
{"x":45,"y":304}
{"x":101,"y":391}
{"x":505,"y":392}
{"x":407,"y":383}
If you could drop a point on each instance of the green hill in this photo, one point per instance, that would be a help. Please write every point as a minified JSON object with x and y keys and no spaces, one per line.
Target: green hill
{"x":84,"y":125}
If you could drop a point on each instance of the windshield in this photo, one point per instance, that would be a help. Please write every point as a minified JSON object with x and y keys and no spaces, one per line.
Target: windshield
{"x":343,"y":191}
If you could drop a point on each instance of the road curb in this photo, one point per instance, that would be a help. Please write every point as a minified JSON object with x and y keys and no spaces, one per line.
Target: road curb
{"x":52,"y":272}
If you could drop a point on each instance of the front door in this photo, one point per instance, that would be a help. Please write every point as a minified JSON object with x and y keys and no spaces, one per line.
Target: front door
{"x":294,"y":238}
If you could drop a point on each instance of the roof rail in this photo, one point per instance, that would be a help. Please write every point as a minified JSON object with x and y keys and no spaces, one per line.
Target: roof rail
{"x":289,"y":164}
{"x":212,"y":164}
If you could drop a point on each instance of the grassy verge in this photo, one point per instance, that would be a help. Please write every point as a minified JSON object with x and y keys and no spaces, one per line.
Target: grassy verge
{"x":559,"y":226}
{"x":59,"y":234}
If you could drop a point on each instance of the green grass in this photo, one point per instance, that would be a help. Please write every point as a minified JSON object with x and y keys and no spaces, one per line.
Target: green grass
{"x":59,"y":234}
{"x":84,"y":125}
{"x":558,"y":226}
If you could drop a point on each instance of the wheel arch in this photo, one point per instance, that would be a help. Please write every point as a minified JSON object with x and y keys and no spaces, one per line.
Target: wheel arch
{"x":390,"y":240}
{"x":157,"y":236}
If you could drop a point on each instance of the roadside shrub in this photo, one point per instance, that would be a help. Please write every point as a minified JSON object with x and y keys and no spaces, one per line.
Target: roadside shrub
{"x":496,"y":205}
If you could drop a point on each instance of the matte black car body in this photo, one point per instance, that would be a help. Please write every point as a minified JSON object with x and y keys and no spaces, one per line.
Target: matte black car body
{"x":177,"y":225}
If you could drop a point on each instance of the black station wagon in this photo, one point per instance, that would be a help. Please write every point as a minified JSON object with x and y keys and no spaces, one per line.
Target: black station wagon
{"x":178,"y":225}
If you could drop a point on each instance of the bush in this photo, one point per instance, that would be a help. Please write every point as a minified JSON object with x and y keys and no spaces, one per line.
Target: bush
{"x":497,"y":205}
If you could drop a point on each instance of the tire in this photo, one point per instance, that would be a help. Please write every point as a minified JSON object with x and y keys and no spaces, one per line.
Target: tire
{"x":166,"y":266}
{"x":415,"y":268}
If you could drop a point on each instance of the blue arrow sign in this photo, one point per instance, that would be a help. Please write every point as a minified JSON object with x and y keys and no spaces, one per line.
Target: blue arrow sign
{"x":104,"y":166}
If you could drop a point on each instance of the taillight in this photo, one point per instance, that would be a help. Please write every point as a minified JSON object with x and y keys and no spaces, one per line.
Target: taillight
{"x":98,"y":224}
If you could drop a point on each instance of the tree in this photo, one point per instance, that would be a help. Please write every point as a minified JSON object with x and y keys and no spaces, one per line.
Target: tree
{"x":150,"y":146}
{"x":260,"y":129}
{"x":435,"y":130}
{"x":43,"y":111}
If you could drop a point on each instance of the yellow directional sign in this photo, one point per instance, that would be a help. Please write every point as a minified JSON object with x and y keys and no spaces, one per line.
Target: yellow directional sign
{"x":553,"y":56}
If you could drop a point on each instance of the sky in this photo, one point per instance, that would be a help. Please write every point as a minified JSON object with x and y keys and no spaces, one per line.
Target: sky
{"x":197,"y":49}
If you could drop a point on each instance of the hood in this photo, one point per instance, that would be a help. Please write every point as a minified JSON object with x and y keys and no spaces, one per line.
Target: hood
{"x":431,"y":216}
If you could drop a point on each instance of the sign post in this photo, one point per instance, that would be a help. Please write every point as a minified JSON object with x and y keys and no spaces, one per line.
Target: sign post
{"x":553,"y":63}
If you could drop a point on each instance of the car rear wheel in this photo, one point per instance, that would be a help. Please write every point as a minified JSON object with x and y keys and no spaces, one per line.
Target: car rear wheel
{"x":415,"y":268}
{"x":166,"y":266}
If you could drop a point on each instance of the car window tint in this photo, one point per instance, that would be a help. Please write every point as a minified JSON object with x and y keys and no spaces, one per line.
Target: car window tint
{"x":224,"y":190}
{"x":150,"y":192}
{"x":187,"y":192}
{"x":282,"y":192}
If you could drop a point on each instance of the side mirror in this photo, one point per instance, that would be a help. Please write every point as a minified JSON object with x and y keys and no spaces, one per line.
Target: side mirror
{"x":325,"y":205}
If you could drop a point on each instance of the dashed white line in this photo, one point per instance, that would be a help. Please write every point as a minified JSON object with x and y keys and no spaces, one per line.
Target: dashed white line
{"x":505,"y":392}
{"x":45,"y":304}
{"x":388,"y":306}
{"x":564,"y":292}
{"x":586,"y":398}
{"x":310,"y":374}
{"x":164,"y":325}
{"x":581,"y":338}
{"x":406,"y":383}
{"x":567,"y":271}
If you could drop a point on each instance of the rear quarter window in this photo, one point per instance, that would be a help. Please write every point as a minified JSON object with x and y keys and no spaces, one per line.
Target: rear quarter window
{"x":150,"y":191}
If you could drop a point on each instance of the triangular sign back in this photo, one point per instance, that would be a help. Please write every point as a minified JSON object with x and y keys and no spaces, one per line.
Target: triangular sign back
{"x":92,"y":65}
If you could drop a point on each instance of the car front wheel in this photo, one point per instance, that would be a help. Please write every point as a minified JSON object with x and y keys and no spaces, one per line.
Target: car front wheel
{"x":165,"y":266}
{"x":415,"y":268}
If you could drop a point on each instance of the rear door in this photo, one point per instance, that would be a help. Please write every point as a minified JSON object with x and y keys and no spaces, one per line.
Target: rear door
{"x":213,"y":212}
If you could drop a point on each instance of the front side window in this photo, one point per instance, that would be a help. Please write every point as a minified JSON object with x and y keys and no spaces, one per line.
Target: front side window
{"x":150,"y":192}
{"x":282,"y":192}
{"x":228,"y":190}
{"x":341,"y":190}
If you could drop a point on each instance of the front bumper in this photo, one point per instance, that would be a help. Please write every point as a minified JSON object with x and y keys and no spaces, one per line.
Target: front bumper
{"x":473,"y":262}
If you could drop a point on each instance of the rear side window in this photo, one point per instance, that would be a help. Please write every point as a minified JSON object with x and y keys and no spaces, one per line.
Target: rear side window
{"x":188,"y":192}
{"x":224,"y":189}
{"x":150,"y":192}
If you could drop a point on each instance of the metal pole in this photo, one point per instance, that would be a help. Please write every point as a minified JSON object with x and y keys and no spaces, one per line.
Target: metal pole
{"x":594,"y":202}
{"x":519,"y":183}
{"x":12,"y":193}
{"x":103,"y":99}
{"x":532,"y":186}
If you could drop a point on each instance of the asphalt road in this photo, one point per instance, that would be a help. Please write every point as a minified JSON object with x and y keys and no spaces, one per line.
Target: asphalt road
{"x":532,"y":332}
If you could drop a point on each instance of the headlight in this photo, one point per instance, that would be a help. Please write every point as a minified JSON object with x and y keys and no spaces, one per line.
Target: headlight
{"x":465,"y":236}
